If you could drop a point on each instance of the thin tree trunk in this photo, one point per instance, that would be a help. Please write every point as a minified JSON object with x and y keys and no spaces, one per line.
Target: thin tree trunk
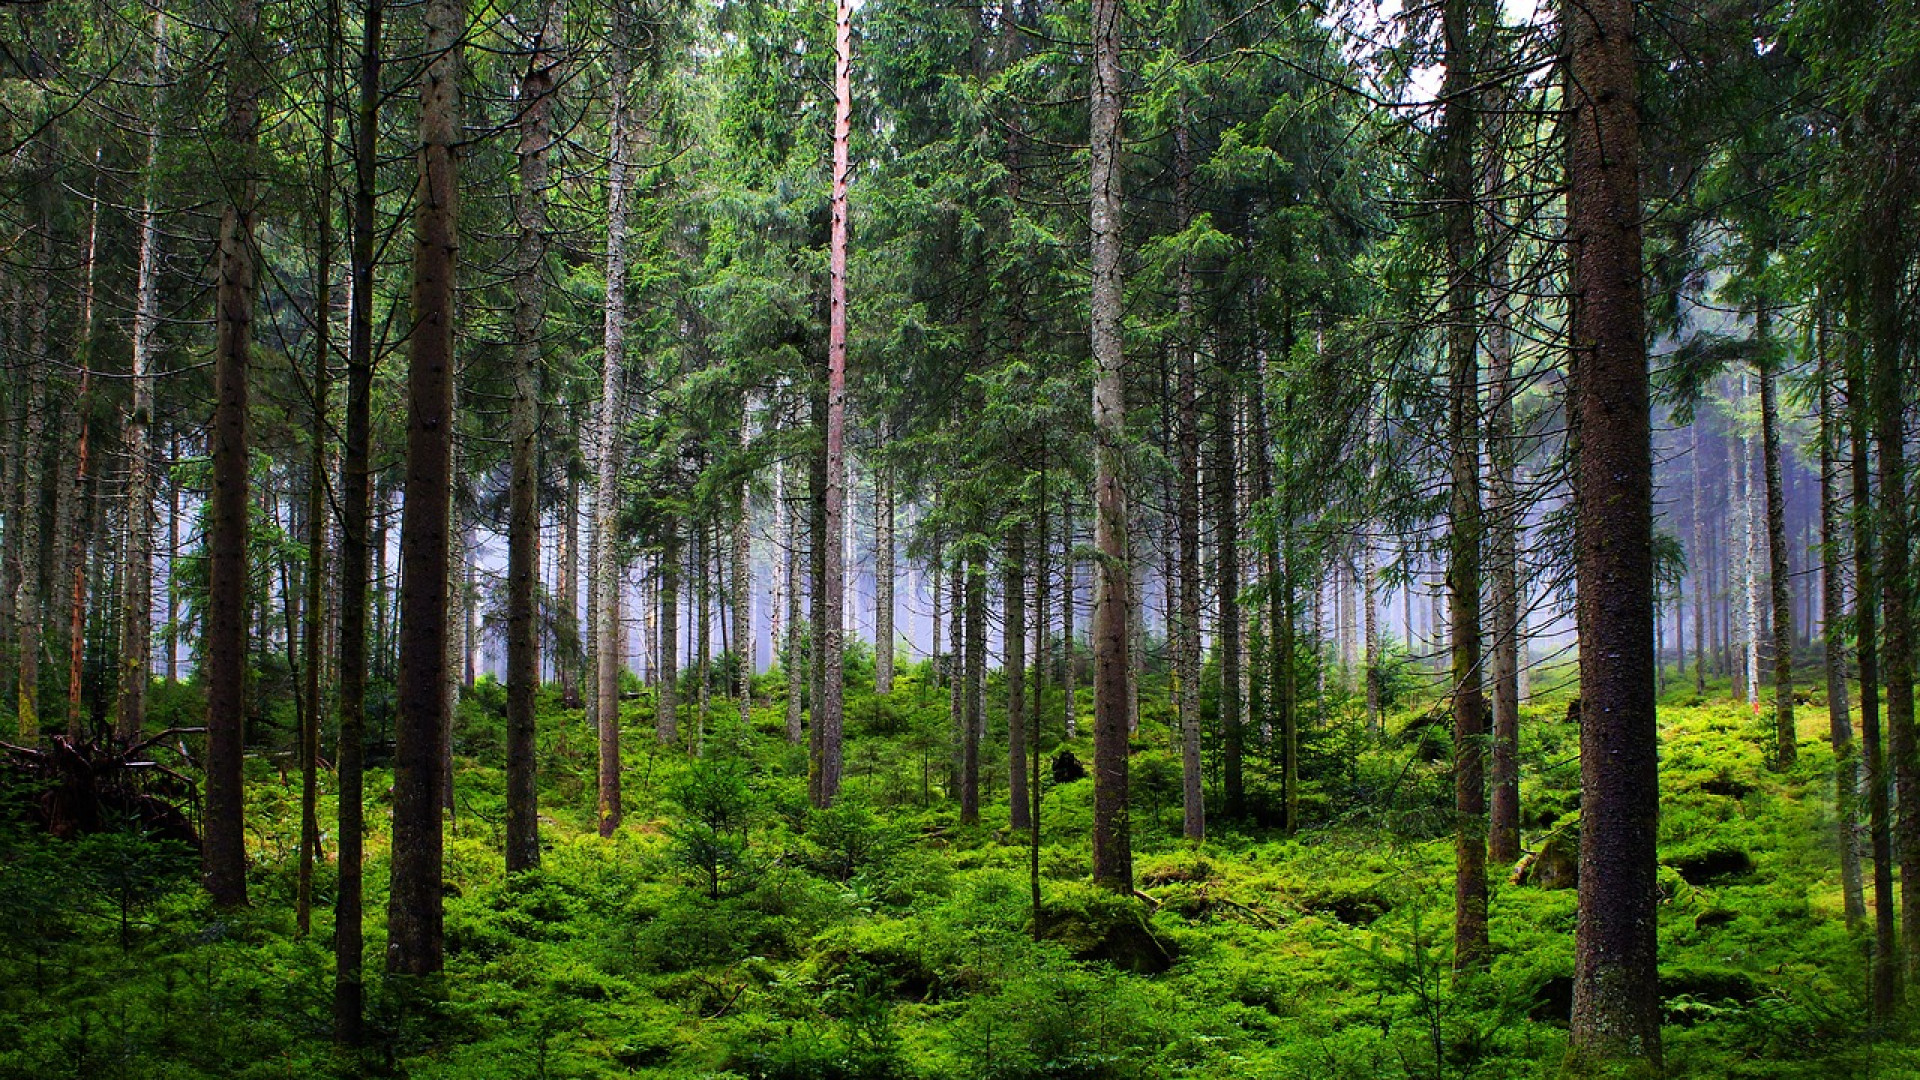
{"x":793,"y":661}
{"x":523,"y":427}
{"x":1186,"y":628}
{"x":1702,"y":579}
{"x":1846,"y":772}
{"x":354,"y":513}
{"x":1112,"y":606}
{"x":1503,"y":507}
{"x":1227,"y":572}
{"x":666,"y":719}
{"x":1884,"y":977}
{"x":742,"y":594}
{"x":1470,"y":945}
{"x":136,"y":625}
{"x":974,"y":680}
{"x":1067,"y":673}
{"x":316,"y":512}
{"x":1886,"y":321}
{"x":1015,"y":636}
{"x":832,"y":584}
{"x":1786,"y":750}
{"x":883,"y":571}
{"x":607,"y":455}
{"x":1616,"y":998}
{"x":415,"y":938}
{"x":223,"y":841}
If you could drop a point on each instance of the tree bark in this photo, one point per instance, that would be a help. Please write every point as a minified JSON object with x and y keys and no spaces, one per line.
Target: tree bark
{"x":1112,"y":606}
{"x":833,"y":583}
{"x":415,"y":937}
{"x":1616,"y":1004}
{"x":1471,"y":948}
{"x":1884,"y":976}
{"x":1780,"y":578}
{"x":1015,"y":636}
{"x":1504,"y":524}
{"x":223,"y":840}
{"x":974,"y":680}
{"x":136,"y":623}
{"x":1226,"y":507}
{"x":666,"y":719}
{"x":355,"y":499}
{"x":523,"y":429}
{"x":883,"y":632}
{"x":313,"y":633}
{"x":1186,"y":628}
{"x":607,"y":455}
{"x":1846,"y":772}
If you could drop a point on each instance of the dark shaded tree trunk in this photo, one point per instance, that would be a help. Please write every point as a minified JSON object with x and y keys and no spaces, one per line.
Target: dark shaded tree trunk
{"x":314,"y":631}
{"x":1112,"y":604}
{"x":1846,"y":772}
{"x":1457,"y":133}
{"x":223,"y":834}
{"x":415,"y":937}
{"x":974,"y":680}
{"x":1186,"y":626}
{"x":1780,"y":577}
{"x":1886,"y":272}
{"x":666,"y":720}
{"x":1884,"y":976}
{"x":1015,"y":602}
{"x":1616,"y":1003}
{"x":355,"y":500}
{"x":1226,"y":507}
{"x":523,"y":427}
{"x":1504,"y":524}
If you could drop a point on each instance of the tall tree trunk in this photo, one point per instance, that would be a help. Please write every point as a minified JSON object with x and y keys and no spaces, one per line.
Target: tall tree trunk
{"x":80,"y":525}
{"x":666,"y":719}
{"x":1226,"y":533}
{"x":1470,"y":945}
{"x":316,"y":511}
{"x":1112,"y":606}
{"x":1750,"y":561}
{"x":223,"y":841}
{"x":355,"y":498}
{"x":741,"y":599}
{"x":33,"y":565}
{"x":957,"y":728}
{"x":1186,"y":627}
{"x":1068,"y":691}
{"x":1886,"y":273}
{"x":818,"y":541}
{"x":1884,"y":978}
{"x":1846,"y":772}
{"x":883,"y":571}
{"x":974,"y":679}
{"x":1786,"y":749}
{"x":136,"y":625}
{"x":1015,"y":636}
{"x":607,"y":455}
{"x":415,"y":939}
{"x":832,"y":583}
{"x":567,"y":663}
{"x":792,"y":662}
{"x":523,"y":427}
{"x":1504,"y":523}
{"x":1616,"y":997}
{"x":1702,"y":579}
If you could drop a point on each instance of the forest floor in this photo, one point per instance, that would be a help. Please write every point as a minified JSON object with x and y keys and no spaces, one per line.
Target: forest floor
{"x":725,"y":931}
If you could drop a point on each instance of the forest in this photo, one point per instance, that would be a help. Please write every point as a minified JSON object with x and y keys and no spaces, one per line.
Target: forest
{"x":950,"y":539}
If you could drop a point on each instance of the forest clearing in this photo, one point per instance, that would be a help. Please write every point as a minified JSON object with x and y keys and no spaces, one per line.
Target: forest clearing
{"x":921,"y":539}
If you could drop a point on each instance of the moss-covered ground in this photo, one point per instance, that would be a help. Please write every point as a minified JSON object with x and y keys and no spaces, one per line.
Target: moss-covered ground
{"x":726,"y":931}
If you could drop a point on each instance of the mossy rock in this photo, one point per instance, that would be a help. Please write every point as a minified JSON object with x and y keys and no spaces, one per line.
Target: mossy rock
{"x":1555,"y":863}
{"x":890,"y":950}
{"x":1684,"y":991}
{"x":1093,"y":923}
{"x":1352,"y":902}
{"x":1175,"y":869}
{"x":1704,"y":866}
